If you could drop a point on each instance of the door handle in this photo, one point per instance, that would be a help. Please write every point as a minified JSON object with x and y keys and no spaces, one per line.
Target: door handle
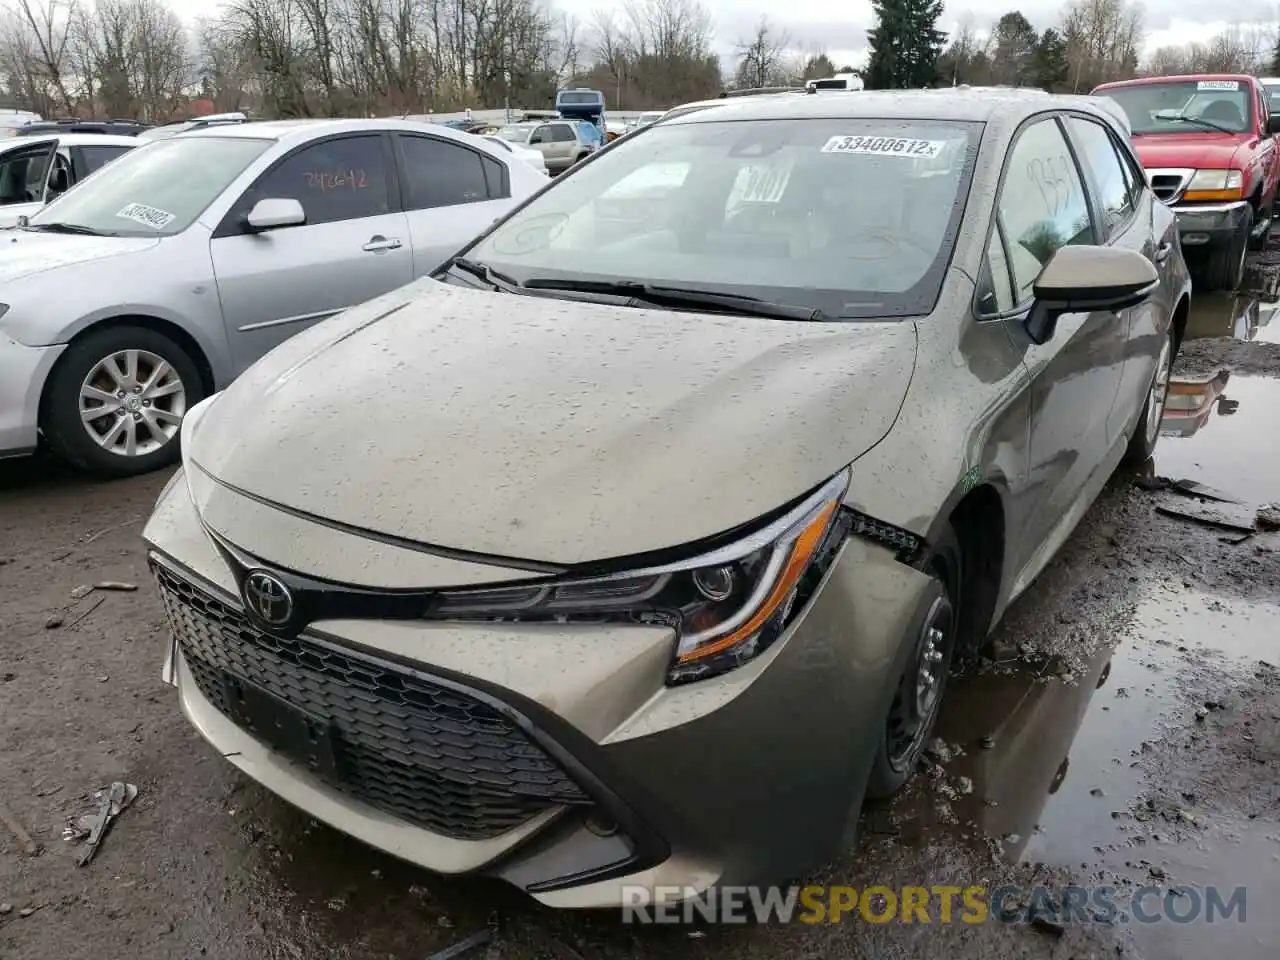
{"x":1163,"y":251}
{"x":378,"y":244}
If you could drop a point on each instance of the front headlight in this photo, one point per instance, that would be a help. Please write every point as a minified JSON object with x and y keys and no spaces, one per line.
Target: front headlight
{"x":727,"y":606}
{"x":1215,"y":185}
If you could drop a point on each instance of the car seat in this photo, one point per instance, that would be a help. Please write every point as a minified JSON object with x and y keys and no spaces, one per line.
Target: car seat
{"x":1224,"y":112}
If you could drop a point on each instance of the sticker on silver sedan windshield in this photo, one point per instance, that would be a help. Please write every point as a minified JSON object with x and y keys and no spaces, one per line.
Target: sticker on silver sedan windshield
{"x":151,"y":217}
{"x":1218,"y":85}
{"x":885,"y":146}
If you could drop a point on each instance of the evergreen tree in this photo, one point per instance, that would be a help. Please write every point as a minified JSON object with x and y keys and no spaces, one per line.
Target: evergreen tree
{"x":1051,"y":68}
{"x":905,"y":44}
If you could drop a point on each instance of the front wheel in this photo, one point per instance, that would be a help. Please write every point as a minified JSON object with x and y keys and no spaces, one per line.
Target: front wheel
{"x":1147,"y":432}
{"x":115,"y":401}
{"x":1225,"y":269}
{"x":917,"y":698}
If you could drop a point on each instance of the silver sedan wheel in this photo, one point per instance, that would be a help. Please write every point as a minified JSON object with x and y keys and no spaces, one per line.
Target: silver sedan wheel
{"x":132,"y":402}
{"x":1159,"y":392}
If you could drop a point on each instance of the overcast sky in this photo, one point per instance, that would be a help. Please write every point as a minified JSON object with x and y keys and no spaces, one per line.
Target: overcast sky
{"x":841,"y":28}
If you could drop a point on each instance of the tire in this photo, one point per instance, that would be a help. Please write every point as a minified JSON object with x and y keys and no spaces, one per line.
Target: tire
{"x":93,"y":372}
{"x":907,"y":728}
{"x":1260,"y":242}
{"x":1225,"y":268}
{"x":1146,"y":434}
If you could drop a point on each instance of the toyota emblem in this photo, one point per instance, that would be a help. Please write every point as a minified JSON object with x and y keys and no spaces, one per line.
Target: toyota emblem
{"x":267,"y":598}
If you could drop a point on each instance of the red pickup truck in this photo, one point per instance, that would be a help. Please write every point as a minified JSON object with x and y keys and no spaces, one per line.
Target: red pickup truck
{"x":1208,"y":144}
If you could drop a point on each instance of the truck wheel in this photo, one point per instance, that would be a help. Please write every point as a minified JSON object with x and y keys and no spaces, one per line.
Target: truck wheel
{"x":1260,"y":242}
{"x":115,"y":401}
{"x":1225,"y":268}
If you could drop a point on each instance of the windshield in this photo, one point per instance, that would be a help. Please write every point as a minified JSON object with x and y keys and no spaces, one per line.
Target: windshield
{"x":158,"y":189}
{"x":516,"y":134}
{"x":1156,"y":107}
{"x":850,"y":217}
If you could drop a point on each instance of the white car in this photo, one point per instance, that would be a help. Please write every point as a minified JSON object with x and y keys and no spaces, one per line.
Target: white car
{"x":532,"y":157}
{"x":35,"y":170}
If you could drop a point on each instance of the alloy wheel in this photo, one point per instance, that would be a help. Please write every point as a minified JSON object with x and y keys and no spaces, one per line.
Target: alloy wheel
{"x":132,"y":402}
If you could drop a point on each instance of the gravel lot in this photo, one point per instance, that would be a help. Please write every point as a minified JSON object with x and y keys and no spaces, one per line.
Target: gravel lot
{"x":1127,"y":731}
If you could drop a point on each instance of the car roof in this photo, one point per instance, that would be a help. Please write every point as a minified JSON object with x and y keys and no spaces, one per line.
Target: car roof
{"x":299,"y":131}
{"x":73,"y":140}
{"x":944,"y":103}
{"x":1176,"y":78}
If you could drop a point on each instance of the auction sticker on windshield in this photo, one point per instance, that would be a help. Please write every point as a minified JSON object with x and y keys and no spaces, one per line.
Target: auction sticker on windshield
{"x":151,"y":217}
{"x":1218,"y":85}
{"x":885,"y":146}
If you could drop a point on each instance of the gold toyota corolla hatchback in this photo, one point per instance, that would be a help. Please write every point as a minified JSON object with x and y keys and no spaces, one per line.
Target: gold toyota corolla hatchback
{"x":635,"y":546}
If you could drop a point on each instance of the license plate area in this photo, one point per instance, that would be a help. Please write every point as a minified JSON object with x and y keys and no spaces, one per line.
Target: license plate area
{"x":297,"y":735}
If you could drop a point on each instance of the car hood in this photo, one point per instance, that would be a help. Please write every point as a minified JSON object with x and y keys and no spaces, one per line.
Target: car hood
{"x":25,"y":252}
{"x":552,"y":430}
{"x":1194,"y":150}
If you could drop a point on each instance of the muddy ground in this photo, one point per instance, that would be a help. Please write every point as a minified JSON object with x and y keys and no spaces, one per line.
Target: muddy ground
{"x":1125,"y":731}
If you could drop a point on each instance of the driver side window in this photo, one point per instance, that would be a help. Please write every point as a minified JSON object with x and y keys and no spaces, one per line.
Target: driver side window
{"x":541,"y":135}
{"x":23,"y":174}
{"x":1042,"y":204}
{"x":342,"y":179}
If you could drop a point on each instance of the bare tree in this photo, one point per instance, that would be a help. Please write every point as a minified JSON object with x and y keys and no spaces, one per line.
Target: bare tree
{"x":49,"y":26}
{"x":1238,"y":49}
{"x":284,"y":58}
{"x":761,"y":60}
{"x":1103,"y":41}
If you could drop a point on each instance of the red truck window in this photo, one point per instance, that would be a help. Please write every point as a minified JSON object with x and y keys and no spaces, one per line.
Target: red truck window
{"x":1181,"y":105}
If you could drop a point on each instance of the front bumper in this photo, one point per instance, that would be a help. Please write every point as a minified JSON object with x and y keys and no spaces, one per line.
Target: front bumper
{"x":1210,"y":224}
{"x":753,"y":776}
{"x":23,"y":371}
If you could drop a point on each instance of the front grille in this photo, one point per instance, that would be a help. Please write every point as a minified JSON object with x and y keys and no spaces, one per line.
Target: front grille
{"x":420,"y":751}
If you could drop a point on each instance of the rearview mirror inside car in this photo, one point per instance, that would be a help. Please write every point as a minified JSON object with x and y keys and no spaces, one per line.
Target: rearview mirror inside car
{"x":271,"y":213}
{"x":1082,"y":278}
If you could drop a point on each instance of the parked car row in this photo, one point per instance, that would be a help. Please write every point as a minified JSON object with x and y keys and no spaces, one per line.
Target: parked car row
{"x":635,"y":541}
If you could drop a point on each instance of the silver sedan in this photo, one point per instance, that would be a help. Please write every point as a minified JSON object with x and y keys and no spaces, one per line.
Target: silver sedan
{"x":156,"y":282}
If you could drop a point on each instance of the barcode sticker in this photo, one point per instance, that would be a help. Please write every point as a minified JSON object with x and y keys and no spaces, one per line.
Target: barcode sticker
{"x":1218,"y":85}
{"x":151,"y":217}
{"x":886,"y":147}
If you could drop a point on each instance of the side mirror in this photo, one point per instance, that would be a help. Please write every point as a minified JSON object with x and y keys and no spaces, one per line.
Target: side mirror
{"x":1273,"y":125}
{"x":271,"y":213}
{"x":58,"y":180}
{"x":1078,"y":279}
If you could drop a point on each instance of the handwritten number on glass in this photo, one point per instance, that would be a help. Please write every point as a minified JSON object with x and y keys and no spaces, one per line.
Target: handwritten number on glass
{"x":1051,"y":175}
{"x":327,"y":181}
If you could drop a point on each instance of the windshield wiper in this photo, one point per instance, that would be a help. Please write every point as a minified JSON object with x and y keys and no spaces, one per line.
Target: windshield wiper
{"x":658,"y":295}
{"x":495,"y":278}
{"x":75,"y":228}
{"x":1183,"y":118}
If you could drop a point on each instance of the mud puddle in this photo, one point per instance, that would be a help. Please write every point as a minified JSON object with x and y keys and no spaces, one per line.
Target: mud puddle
{"x":1111,"y":767}
{"x":1221,"y":431}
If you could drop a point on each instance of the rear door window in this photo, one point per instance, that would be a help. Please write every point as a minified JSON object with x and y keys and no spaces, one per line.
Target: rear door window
{"x":441,"y":174}
{"x":1115,"y":191}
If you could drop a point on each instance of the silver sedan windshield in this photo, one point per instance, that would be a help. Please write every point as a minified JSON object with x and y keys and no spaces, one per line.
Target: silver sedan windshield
{"x":156,"y":190}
